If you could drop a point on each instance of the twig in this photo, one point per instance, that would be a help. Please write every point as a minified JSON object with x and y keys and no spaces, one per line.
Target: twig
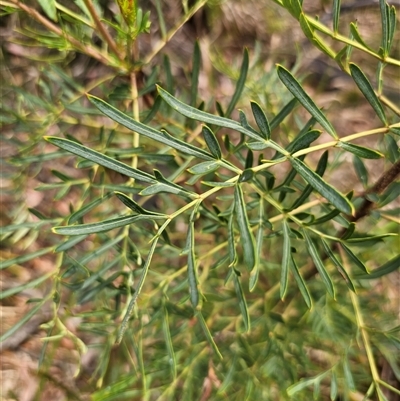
{"x":104,"y":33}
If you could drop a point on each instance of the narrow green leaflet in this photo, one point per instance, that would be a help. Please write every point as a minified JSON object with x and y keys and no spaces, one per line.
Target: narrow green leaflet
{"x":356,"y":35}
{"x":285,"y":259}
{"x":338,"y":265}
{"x":385,"y":269}
{"x":366,"y":88}
{"x":195,"y":73}
{"x":212,"y":142}
{"x":231,"y":242}
{"x":283,"y":113}
{"x":240,"y":83}
{"x":192,"y":268}
{"x":242,"y":302}
{"x":87,"y":208}
{"x":321,"y":167}
{"x":134,"y":206}
{"x":360,"y":151}
{"x":318,"y":264}
{"x":301,"y":283}
{"x":259,"y":241}
{"x":303,"y":141}
{"x":131,"y":306}
{"x":336,"y":13}
{"x":159,"y":136}
{"x":361,"y":171}
{"x":298,"y":92}
{"x":357,"y":262}
{"x":14,"y":329}
{"x":100,"y":159}
{"x":30,"y":284}
{"x":69,"y":243}
{"x":246,"y":236}
{"x":24,"y":258}
{"x":101,"y":226}
{"x":208,"y":335}
{"x":327,"y":191}
{"x":261,"y":120}
{"x":303,"y":383}
{"x":168,"y":342}
{"x":49,"y":7}
{"x":207,"y":118}
{"x":205,"y":167}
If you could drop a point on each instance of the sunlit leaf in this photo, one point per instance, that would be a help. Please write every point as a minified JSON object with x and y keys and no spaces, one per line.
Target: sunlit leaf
{"x":192,"y":268}
{"x":99,"y":158}
{"x":366,"y":88}
{"x":159,"y":136}
{"x":360,"y":151}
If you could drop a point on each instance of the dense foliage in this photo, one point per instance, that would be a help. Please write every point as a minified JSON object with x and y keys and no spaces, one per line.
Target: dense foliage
{"x":199,"y":251}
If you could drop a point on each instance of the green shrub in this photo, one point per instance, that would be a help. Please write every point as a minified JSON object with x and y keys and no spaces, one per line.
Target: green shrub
{"x":218,"y":253}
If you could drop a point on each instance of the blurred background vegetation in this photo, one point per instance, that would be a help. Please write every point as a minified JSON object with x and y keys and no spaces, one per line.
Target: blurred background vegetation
{"x":52,"y":54}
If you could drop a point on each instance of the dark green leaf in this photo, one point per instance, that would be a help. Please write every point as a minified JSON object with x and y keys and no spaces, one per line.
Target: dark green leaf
{"x":321,"y":167}
{"x":91,"y":228}
{"x":360,"y":151}
{"x":286,"y":257}
{"x":287,"y":109}
{"x":327,"y":191}
{"x":168,"y":342}
{"x":303,"y":141}
{"x":338,"y":265}
{"x":357,"y":262}
{"x":240,"y":83}
{"x":131,"y":204}
{"x":212,"y":142}
{"x":70,"y":243}
{"x":195,"y":73}
{"x":365,"y":87}
{"x":246,"y":236}
{"x":261,"y":120}
{"x":259,"y":241}
{"x":336,"y":13}
{"x":385,"y":269}
{"x":318,"y":264}
{"x":82,"y":211}
{"x":159,"y":136}
{"x":298,"y":92}
{"x":207,"y":118}
{"x":242,"y":302}
{"x":100,"y":159}
{"x":349,"y":231}
{"x":361,"y":171}
{"x":208,"y":334}
{"x":301,"y":283}
{"x":192,"y":268}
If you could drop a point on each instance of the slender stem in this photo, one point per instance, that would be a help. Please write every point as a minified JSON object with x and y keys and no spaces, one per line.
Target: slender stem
{"x":84,"y":48}
{"x":103,"y":32}
{"x":322,"y":28}
{"x":389,"y":104}
{"x":160,"y":45}
{"x":367,"y":345}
